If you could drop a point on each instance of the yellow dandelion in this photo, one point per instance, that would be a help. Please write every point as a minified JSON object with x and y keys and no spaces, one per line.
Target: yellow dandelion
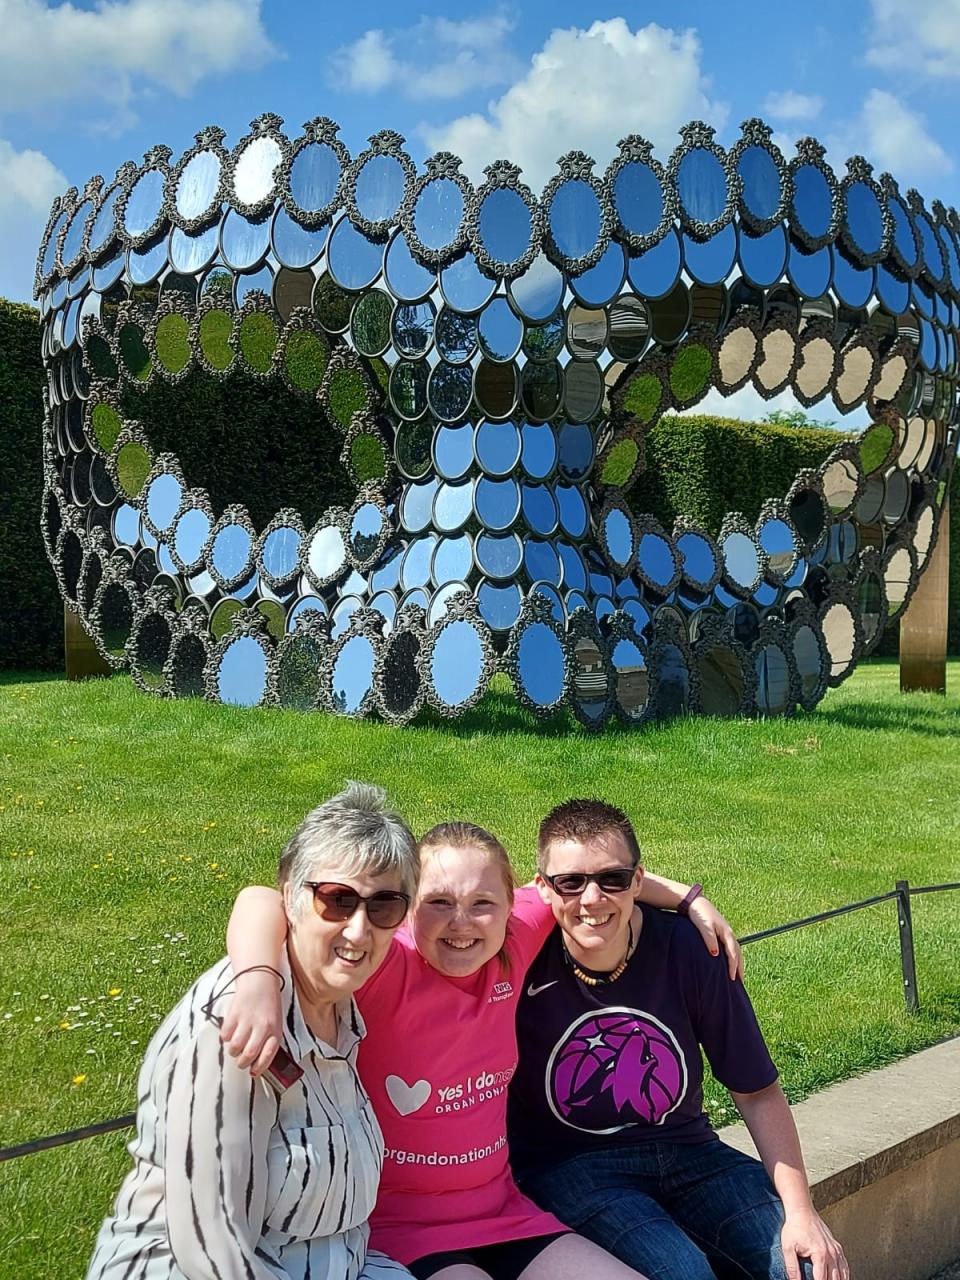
{"x":79,"y":1079}
{"x":214,"y":865}
{"x":114,"y":991}
{"x":64,"y":1026}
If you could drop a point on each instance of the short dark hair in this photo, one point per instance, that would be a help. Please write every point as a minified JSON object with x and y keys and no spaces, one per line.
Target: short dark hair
{"x":584,"y":820}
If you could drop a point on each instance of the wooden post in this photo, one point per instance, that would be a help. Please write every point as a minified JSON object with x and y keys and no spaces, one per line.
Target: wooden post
{"x":923,"y":628}
{"x":80,"y":655}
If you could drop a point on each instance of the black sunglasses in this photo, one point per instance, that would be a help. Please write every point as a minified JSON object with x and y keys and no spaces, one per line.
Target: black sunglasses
{"x":570,"y":884}
{"x":331,"y":901}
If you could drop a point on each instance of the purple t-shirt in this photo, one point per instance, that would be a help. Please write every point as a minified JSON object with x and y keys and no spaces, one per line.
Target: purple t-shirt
{"x":620,"y":1062}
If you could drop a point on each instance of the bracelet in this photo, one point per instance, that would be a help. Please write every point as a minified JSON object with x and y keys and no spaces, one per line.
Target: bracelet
{"x":694,"y":892}
{"x":263,"y":968}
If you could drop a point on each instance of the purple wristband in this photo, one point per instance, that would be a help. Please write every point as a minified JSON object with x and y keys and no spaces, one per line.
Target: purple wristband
{"x":683,"y":908}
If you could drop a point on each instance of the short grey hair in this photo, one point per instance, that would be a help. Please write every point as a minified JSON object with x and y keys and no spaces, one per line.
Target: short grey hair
{"x":353,"y":833}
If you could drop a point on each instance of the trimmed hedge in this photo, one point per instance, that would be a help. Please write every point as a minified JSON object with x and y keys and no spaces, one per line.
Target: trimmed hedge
{"x":704,"y":467}
{"x":31,"y":619}
{"x":246,"y":443}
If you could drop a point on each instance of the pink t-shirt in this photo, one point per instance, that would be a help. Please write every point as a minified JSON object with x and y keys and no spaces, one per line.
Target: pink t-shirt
{"x":436,"y":1062}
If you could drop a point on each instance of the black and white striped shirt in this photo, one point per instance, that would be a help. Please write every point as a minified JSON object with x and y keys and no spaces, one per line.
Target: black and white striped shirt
{"x":232,"y":1181}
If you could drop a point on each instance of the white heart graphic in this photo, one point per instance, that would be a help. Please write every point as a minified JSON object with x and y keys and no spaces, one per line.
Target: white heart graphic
{"x":407,"y":1098}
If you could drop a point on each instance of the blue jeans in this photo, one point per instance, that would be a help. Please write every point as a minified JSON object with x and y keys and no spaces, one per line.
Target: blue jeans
{"x":673,"y":1211}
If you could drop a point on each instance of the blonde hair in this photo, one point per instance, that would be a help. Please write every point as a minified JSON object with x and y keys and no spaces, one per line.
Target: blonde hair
{"x":467,"y":835}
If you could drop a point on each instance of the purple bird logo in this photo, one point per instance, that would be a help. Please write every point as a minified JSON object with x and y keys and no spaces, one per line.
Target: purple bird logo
{"x":613,"y":1069}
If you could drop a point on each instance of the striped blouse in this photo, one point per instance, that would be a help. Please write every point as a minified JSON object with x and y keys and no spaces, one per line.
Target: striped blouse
{"x":233,"y":1181}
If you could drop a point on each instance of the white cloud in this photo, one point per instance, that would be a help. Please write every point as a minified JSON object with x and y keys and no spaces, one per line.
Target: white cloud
{"x":104,"y":54}
{"x":892,"y":137}
{"x":586,"y":89}
{"x":435,"y":58}
{"x":792,"y":106}
{"x":28,"y":183}
{"x":924,"y":38}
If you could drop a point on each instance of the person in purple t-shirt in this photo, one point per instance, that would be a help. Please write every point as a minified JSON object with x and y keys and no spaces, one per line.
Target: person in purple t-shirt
{"x":606,"y":1121}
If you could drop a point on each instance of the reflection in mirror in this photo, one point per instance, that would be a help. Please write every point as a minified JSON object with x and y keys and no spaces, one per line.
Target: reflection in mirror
{"x":231,"y":552}
{"x":294,"y":245}
{"x":619,"y":537}
{"x":655,"y":560}
{"x":497,"y":502}
{"x":710,"y":260}
{"x":669,"y":316}
{"x":412,"y":448}
{"x":776,"y":539}
{"x":810,"y":273}
{"x":504,"y":225}
{"x":495,"y":388}
{"x":379,"y":188}
{"x":370,"y":323}
{"x":812,"y":201}
{"x":453,"y":450}
{"x":638,"y":199}
{"x":541,"y":664}
{"x":314,"y":176}
{"x":352,"y":676}
{"x":366,"y":532}
{"x":544,"y":341}
{"x":400,"y":687}
{"x":574,"y":218}
{"x":144,"y":203}
{"x":539,"y":508}
{"x":453,"y":506}
{"x":629,"y":328}
{"x":631,"y":681}
{"x":452,"y":560}
{"x":597,"y":286}
{"x":500,"y":330}
{"x":773,"y":681}
{"x":576,"y":450}
{"x":327,"y":555}
{"x":741,"y":560}
{"x":116,"y":618}
{"x":244,"y":242}
{"x":416,"y":505}
{"x":163,"y":499}
{"x":897,"y":573}
{"x":438,"y":213}
{"x":242,"y":673}
{"x":353,"y":260}
{"x":457,"y":664}
{"x":839,"y":632}
{"x":542,"y":562}
{"x":197,"y":185}
{"x":702,"y":185}
{"x":298,"y":672}
{"x":762,"y":187}
{"x":572,"y":509}
{"x":763,"y":258}
{"x":464,"y":286}
{"x":192,"y":531}
{"x":541,"y":390}
{"x":870,"y":606}
{"x":656,"y":272}
{"x":864,"y":218}
{"x":537,"y":293}
{"x":415,"y":569}
{"x":412,"y":327}
{"x":254,"y":169}
{"x":721,"y":681}
{"x":154,"y":637}
{"x":408,"y":280}
{"x":455,"y":336}
{"x":499,"y":605}
{"x":498,"y":447}
{"x":449,"y":391}
{"x":808,"y":515}
{"x":582,"y":390}
{"x":408,"y":388}
{"x":499,"y":557}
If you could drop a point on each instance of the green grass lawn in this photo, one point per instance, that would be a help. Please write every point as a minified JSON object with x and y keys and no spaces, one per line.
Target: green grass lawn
{"x":128,"y":824}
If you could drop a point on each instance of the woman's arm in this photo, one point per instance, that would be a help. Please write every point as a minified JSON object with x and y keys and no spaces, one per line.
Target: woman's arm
{"x":658,"y":891}
{"x":217,"y":1123}
{"x":767,"y":1115}
{"x":256,"y":935}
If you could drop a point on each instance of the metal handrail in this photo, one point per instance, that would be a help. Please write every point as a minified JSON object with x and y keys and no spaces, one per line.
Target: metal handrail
{"x":903,"y":893}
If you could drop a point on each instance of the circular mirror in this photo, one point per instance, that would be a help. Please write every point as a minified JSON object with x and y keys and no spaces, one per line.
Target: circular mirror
{"x":812,"y":205}
{"x":618,"y":537}
{"x":412,"y":327}
{"x":417,"y":559}
{"x":449,"y":391}
{"x":572,"y":510}
{"x":499,"y":557}
{"x":244,"y":243}
{"x":538,"y":292}
{"x":498,"y":447}
{"x":453,"y":451}
{"x":455,"y":336}
{"x":504,"y":225}
{"x":497,"y":502}
{"x":629,"y":328}
{"x":452,"y":506}
{"x":452,"y":560}
{"x":379,"y":188}
{"x":542,"y":562}
{"x":596,"y":287}
{"x":232,"y":552}
{"x":163,"y":500}
{"x":499,"y":330}
{"x":777,"y":540}
{"x":416,"y":505}
{"x":197,"y":185}
{"x":294,"y":245}
{"x":576,"y":450}
{"x":631,"y":681}
{"x":764,"y":257}
{"x":457,"y":664}
{"x":539,"y":508}
{"x":574,"y":217}
{"x":541,"y":390}
{"x":353,"y":260}
{"x":408,"y":280}
{"x":495,"y":388}
{"x":102,"y":231}
{"x":499,"y":605}
{"x":701,"y":182}
{"x":190,"y":535}
{"x":762,"y":185}
{"x":655,"y":561}
{"x":808,"y":515}
{"x":638,"y":199}
{"x":408,"y":388}
{"x":709,"y":261}
{"x":327,"y":554}
{"x":864,"y":219}
{"x":464,"y":287}
{"x":366,"y":532}
{"x":810,"y":273}
{"x":741,"y":560}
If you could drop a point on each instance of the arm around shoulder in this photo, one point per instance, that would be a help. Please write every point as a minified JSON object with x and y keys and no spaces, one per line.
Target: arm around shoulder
{"x":256,"y":938}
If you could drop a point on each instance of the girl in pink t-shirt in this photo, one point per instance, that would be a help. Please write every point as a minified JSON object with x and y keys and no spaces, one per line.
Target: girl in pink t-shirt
{"x":440,"y":1053}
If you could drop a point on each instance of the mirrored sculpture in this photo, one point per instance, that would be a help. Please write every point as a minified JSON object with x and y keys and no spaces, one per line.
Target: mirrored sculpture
{"x":489,"y":362}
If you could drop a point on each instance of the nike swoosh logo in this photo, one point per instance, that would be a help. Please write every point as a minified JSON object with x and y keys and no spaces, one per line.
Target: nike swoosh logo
{"x":535,"y":991}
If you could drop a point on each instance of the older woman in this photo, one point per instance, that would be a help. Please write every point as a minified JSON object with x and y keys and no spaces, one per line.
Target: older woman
{"x":235,"y":1178}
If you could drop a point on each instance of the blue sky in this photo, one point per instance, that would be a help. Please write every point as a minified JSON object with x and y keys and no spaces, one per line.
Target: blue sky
{"x":87,"y":85}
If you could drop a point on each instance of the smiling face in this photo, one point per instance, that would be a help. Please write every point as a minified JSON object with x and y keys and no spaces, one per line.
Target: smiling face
{"x":330,"y":959}
{"x":595,"y":923}
{"x":460,"y":915}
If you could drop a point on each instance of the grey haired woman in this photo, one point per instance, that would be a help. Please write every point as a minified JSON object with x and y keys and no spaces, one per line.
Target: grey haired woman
{"x":237,"y":1178}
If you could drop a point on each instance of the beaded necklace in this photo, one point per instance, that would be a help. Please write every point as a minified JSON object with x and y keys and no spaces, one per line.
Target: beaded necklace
{"x":596,"y":980}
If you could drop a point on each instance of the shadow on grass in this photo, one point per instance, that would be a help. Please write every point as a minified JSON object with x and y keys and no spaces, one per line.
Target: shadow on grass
{"x":29,"y":677}
{"x":867,"y":715}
